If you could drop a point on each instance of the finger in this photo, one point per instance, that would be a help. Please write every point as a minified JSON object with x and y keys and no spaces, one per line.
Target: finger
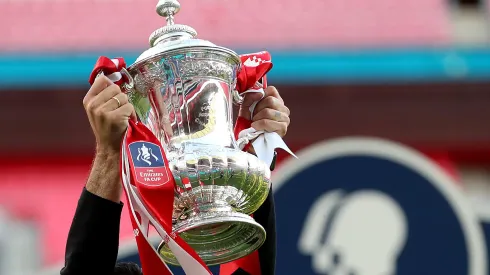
{"x":125,"y":110}
{"x":100,"y":83}
{"x":271,"y":103}
{"x":123,"y":113}
{"x":271,"y":114}
{"x":248,"y":100}
{"x":272,"y":91}
{"x":104,"y":96}
{"x":269,"y":125}
{"x":115,"y":102}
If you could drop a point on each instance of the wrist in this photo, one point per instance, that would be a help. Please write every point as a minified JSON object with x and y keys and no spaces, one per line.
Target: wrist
{"x":104,"y":180}
{"x":107,"y":152}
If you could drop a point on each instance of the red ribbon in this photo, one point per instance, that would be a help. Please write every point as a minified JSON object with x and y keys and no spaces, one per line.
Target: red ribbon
{"x":255,"y":66}
{"x":109,"y":67}
{"x":150,"y":261}
{"x":156,"y":186}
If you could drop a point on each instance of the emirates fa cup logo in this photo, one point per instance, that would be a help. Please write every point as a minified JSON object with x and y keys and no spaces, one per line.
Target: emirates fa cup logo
{"x":145,"y":154}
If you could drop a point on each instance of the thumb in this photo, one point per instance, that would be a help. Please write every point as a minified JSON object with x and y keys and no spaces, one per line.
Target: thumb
{"x":248,"y":100}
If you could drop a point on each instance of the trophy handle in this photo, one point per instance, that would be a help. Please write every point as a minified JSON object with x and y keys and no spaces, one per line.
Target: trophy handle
{"x":127,"y":85}
{"x":237,"y":98}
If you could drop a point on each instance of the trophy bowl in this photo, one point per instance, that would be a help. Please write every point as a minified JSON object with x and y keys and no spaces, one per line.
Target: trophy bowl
{"x":183,"y":90}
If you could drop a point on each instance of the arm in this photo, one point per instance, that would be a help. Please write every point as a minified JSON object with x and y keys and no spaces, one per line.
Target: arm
{"x":93,"y":239}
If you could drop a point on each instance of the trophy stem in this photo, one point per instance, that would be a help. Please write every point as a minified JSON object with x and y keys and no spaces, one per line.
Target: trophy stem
{"x":170,"y":19}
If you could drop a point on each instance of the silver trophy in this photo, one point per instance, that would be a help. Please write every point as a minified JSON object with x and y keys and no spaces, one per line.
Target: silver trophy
{"x":183,"y":89}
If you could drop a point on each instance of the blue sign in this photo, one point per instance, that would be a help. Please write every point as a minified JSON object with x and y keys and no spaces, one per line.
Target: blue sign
{"x":372,"y":207}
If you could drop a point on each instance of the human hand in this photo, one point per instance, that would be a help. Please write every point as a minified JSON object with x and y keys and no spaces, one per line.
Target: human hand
{"x":108,"y":111}
{"x":270,"y":114}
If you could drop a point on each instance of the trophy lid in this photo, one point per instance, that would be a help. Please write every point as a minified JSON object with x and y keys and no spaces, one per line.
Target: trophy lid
{"x":174,"y":36}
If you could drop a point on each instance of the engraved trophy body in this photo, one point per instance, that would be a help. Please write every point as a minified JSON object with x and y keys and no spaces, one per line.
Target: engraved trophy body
{"x":182,"y":90}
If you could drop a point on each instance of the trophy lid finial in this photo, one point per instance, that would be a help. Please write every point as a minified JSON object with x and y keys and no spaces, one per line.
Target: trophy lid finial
{"x":168,"y":9}
{"x":176,"y":37}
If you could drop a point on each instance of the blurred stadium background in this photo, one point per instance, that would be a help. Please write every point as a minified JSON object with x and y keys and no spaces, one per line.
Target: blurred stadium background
{"x":417,"y":72}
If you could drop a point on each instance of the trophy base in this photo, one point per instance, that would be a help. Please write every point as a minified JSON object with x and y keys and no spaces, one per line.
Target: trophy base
{"x":217,"y":237}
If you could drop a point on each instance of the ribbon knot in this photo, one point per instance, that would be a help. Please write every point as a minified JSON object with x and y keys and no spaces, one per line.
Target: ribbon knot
{"x":111,"y":68}
{"x":255,"y":66}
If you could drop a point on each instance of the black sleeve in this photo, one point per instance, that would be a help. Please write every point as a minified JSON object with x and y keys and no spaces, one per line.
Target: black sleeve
{"x":93,"y":240}
{"x":266,"y":216}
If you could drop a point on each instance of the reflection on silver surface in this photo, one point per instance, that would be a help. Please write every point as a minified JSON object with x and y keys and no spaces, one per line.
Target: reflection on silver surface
{"x":183,"y":92}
